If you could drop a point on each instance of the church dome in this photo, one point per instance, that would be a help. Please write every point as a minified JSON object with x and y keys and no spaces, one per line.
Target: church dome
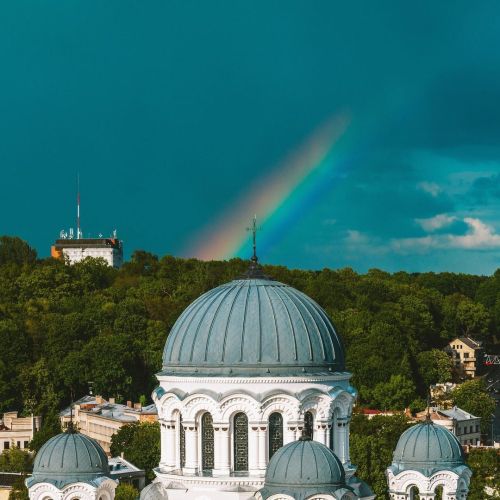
{"x":253,"y":327}
{"x":304,"y":468}
{"x":428,"y":447}
{"x":68,"y":458}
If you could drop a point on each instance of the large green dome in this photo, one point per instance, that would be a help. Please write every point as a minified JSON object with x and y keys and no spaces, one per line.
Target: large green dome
{"x":253,"y":327}
{"x":68,"y":458}
{"x":428,"y":447}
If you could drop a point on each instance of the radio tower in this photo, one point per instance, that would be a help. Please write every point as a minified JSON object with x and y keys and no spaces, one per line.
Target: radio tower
{"x":78,"y":232}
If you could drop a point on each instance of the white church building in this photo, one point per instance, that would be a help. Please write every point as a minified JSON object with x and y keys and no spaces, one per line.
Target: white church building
{"x":254,"y":402}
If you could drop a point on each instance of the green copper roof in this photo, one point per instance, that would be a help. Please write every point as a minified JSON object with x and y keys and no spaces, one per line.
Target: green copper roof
{"x":427,"y":447}
{"x":253,"y":327}
{"x":69,"y":458}
{"x":304,"y":468}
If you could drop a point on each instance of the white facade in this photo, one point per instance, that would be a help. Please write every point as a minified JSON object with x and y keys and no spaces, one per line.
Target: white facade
{"x":113,"y":256}
{"x":182,"y":401}
{"x":105,"y":490}
{"x":455,"y":486}
{"x":17,"y":431}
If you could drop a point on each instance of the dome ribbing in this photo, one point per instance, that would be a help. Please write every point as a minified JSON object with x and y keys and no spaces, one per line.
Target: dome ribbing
{"x":69,"y":458}
{"x":253,"y":327}
{"x":428,"y":447}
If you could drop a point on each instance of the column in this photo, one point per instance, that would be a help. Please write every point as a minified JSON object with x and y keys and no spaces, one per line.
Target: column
{"x":289,"y":434}
{"x":171,"y":444}
{"x":346,"y":440}
{"x":253,"y":449}
{"x":340,"y":450}
{"x":222,"y":465}
{"x":328,"y":432}
{"x":163,"y":443}
{"x":191,"y":433}
{"x":320,"y":433}
{"x":262,"y":438}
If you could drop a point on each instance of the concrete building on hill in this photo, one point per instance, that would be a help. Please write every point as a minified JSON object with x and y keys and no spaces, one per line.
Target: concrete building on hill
{"x":75,"y":250}
{"x":17,"y":431}
{"x":99,"y":418}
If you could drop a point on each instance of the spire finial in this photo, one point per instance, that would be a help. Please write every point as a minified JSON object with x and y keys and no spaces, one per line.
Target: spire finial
{"x":254,"y":230}
{"x":71,"y":426}
{"x":428,"y":416}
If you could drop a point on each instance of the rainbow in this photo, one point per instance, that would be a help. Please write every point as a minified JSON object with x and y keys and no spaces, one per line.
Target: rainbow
{"x":277,"y":199}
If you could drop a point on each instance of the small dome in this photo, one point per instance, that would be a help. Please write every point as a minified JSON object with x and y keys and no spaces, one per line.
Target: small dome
{"x":253,"y":327}
{"x":304,"y":468}
{"x":428,"y":447}
{"x":67,"y":458}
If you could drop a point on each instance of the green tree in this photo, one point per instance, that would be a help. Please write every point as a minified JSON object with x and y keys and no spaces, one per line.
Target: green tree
{"x":472,"y":397}
{"x":126,"y":491}
{"x":16,"y":460}
{"x":434,"y":366}
{"x":372,"y":443}
{"x":485,"y":466}
{"x":51,"y":426}
{"x":14,"y":250}
{"x":397,"y":394}
{"x":140,"y":444}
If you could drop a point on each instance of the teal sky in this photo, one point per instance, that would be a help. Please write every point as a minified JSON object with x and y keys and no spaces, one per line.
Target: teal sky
{"x":171,"y":110}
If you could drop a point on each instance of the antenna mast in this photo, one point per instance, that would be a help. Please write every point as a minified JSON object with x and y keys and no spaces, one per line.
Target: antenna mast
{"x":78,"y":231}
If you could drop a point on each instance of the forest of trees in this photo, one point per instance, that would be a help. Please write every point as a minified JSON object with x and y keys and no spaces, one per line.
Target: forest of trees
{"x":62,"y":327}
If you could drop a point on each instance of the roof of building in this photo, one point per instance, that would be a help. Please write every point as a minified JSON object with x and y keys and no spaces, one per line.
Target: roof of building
{"x":304,"y":468}
{"x":68,"y":458}
{"x":119,"y":468}
{"x":254,"y":326}
{"x":473,"y":344}
{"x":427,"y":448}
{"x":107,"y":409}
{"x":457,"y":414}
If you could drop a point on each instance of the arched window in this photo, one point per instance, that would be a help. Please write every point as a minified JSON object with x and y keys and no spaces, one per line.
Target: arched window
{"x":182,"y":443}
{"x":207,"y":442}
{"x":240,"y":439}
{"x":308,"y":425}
{"x":438,"y":493}
{"x":414,"y":493}
{"x":275,"y":433}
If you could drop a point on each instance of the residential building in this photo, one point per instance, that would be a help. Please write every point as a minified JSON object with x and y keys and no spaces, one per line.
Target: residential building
{"x":17,"y":431}
{"x":99,"y":418}
{"x":466,"y":354}
{"x":465,"y":426}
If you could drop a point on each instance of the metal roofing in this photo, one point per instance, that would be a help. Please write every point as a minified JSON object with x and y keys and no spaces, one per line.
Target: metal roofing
{"x":253,"y":327}
{"x":427,"y":448}
{"x":457,"y":413}
{"x":303,"y":468}
{"x":69,"y":458}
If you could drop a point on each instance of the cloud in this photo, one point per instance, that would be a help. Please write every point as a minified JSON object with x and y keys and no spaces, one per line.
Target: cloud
{"x":429,"y":187}
{"x":479,"y":236}
{"x":437,"y":222}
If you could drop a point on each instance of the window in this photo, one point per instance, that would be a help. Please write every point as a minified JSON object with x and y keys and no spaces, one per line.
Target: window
{"x":182,"y":443}
{"x":275,"y":433}
{"x":477,"y":428}
{"x":240,"y":439}
{"x":466,"y":354}
{"x":207,"y":442}
{"x":471,"y":429}
{"x":6,"y":445}
{"x":18,"y":444}
{"x":26,"y":444}
{"x":308,"y":425}
{"x":414,"y":493}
